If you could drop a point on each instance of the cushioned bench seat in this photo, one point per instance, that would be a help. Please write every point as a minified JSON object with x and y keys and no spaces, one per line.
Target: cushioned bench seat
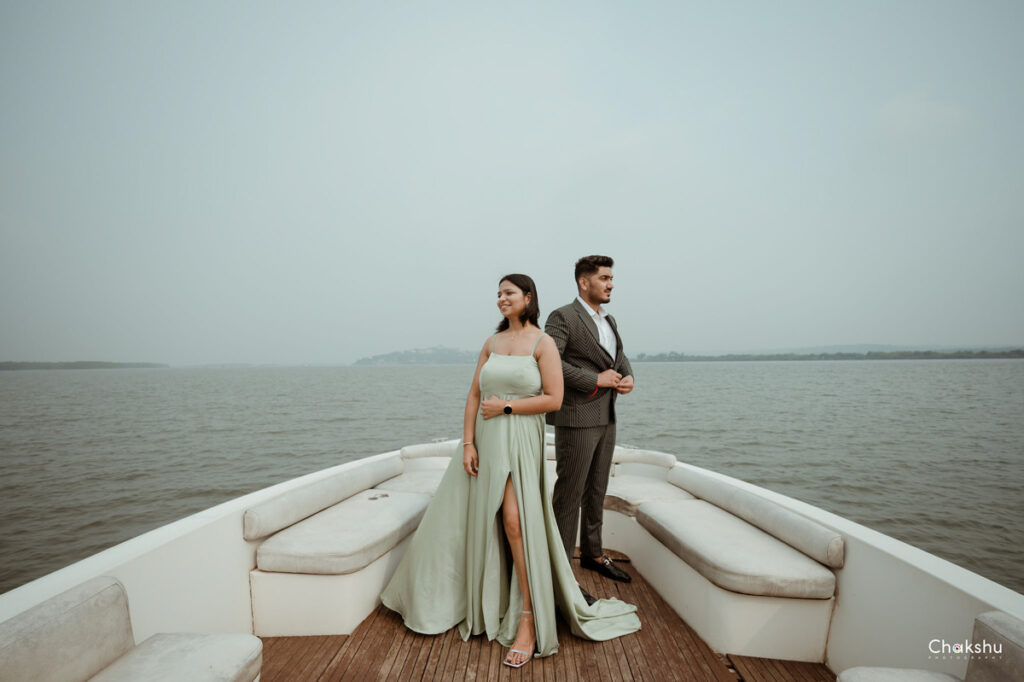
{"x":283,"y":510}
{"x":638,"y":476}
{"x":626,"y":460}
{"x":329,"y":546}
{"x":85,"y":633}
{"x":424,"y":482}
{"x":345,"y":537}
{"x":421,"y":474}
{"x":186,"y":656}
{"x":751,"y":576}
{"x":627,"y":492}
{"x":732,"y":553}
{"x":822,"y":544}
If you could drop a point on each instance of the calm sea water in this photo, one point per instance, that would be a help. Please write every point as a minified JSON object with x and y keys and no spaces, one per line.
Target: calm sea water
{"x":930,"y":452}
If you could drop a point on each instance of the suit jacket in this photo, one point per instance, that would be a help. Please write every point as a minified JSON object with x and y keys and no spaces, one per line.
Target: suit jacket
{"x":583,"y":358}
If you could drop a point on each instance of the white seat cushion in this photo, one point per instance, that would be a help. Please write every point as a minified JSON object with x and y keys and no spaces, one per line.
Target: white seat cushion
{"x":424,"y":481}
{"x":1005,"y":631}
{"x":427,"y":463}
{"x":868,"y":674}
{"x":627,"y":492}
{"x":625,"y":455}
{"x":346,"y":537}
{"x":733,"y":554}
{"x":294,"y":505}
{"x":69,"y":636}
{"x":443,"y":448}
{"x":813,"y":539}
{"x":185,"y":656}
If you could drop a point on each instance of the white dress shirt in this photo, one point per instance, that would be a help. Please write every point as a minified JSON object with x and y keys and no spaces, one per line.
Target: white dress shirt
{"x":605,"y":333}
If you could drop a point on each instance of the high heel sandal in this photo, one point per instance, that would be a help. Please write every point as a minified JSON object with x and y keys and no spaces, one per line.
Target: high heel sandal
{"x":528,"y":655}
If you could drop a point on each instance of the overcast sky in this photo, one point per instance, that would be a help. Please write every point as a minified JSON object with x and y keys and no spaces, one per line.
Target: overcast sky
{"x":313,"y":182}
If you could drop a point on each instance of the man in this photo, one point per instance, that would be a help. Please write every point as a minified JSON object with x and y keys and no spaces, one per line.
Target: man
{"x":596,"y":371}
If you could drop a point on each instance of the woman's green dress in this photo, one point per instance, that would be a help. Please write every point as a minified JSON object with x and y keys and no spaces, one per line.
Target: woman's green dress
{"x":458,"y":570}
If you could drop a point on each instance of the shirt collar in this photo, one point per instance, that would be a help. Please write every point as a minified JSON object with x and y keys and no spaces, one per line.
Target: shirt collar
{"x":586,"y":306}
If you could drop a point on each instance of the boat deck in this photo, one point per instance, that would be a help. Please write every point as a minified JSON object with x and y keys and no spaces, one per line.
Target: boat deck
{"x":381,"y":648}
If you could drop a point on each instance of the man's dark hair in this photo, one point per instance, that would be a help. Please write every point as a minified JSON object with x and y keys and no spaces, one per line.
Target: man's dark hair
{"x":532,"y":311}
{"x":588,"y":265}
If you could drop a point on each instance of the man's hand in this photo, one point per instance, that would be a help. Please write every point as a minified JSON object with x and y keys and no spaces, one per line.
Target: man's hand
{"x":608,"y":379}
{"x":625,"y":385}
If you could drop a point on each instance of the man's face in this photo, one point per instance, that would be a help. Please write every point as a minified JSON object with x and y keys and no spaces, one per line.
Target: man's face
{"x":597,"y":288}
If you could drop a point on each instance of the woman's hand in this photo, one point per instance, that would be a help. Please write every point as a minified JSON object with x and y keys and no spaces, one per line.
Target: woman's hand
{"x":492,"y":407}
{"x":470,"y":461}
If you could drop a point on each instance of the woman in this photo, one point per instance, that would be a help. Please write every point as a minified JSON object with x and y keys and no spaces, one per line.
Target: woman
{"x":492,"y":502}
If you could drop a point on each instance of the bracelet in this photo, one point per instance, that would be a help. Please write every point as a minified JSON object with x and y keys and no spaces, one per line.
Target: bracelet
{"x":468,"y":442}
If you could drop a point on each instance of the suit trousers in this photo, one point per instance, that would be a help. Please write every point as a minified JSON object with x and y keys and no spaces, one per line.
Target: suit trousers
{"x":583,"y":461}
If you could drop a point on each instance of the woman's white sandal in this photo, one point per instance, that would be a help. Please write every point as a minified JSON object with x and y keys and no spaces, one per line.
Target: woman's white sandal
{"x":528,"y":654}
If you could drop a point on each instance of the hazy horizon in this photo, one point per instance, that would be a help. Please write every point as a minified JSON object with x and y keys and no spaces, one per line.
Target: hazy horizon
{"x":221,"y":183}
{"x":813,"y":350}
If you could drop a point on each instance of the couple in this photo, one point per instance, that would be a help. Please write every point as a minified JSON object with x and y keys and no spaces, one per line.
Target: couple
{"x":493,"y":501}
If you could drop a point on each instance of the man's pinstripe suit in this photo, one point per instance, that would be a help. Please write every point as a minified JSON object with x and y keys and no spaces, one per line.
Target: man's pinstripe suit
{"x":584,"y":426}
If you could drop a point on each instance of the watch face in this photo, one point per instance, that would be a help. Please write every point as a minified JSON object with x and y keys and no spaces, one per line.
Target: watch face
{"x":508,"y":409}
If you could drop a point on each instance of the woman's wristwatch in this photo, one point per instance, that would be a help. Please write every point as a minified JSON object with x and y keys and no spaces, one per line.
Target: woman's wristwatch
{"x":508,"y":408}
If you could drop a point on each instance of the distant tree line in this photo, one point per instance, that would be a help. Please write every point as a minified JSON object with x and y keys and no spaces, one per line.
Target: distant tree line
{"x":673,"y":356}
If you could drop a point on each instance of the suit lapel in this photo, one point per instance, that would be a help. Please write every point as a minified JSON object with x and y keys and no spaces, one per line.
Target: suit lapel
{"x":588,"y":322}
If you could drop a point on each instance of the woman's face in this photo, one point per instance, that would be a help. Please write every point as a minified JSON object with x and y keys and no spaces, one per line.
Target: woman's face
{"x":511,"y":300}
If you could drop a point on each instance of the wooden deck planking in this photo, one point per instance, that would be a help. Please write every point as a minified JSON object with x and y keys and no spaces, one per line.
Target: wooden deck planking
{"x":773,"y":670}
{"x":666,"y":648}
{"x":319,"y":660}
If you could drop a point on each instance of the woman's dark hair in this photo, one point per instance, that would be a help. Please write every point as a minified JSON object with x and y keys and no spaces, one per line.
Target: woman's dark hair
{"x":532,"y":311}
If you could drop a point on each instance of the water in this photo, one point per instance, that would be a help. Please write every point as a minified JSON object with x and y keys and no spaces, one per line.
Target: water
{"x":930,"y":452}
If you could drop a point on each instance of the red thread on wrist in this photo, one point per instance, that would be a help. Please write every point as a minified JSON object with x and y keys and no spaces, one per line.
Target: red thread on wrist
{"x":596,"y":389}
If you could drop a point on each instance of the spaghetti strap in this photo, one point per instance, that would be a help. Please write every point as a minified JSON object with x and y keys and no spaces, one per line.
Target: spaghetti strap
{"x":493,"y":336}
{"x":534,"y":349}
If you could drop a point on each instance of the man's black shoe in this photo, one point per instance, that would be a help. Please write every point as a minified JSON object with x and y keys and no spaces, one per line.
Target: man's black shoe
{"x":589,"y":597}
{"x":606,"y":568}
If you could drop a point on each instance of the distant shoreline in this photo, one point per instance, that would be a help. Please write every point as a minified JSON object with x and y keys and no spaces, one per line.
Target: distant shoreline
{"x":438,"y":355}
{"x":1017,"y":354}
{"x":80,"y":364}
{"x":451,"y":356}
